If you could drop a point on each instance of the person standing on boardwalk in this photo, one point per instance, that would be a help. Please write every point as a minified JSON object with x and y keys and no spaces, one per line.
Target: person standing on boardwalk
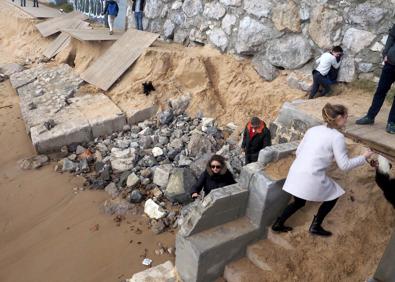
{"x":256,"y":137}
{"x":23,"y":3}
{"x":138,"y":8}
{"x":387,"y":78}
{"x":307,"y":179}
{"x":111,"y":9}
{"x":35,"y":3}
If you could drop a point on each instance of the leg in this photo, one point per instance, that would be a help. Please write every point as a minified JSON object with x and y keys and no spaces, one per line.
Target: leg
{"x":111,"y":23}
{"x":315,"y":227}
{"x":316,"y":84}
{"x":289,"y":210}
{"x":140,"y":20}
{"x":385,"y":82}
{"x":136,"y":19}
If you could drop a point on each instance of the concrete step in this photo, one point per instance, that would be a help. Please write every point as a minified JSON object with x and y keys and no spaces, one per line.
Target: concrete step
{"x":244,"y":271}
{"x":269,"y":253}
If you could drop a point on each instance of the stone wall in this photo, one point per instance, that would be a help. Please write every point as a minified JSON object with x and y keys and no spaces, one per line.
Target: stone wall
{"x":279,"y":34}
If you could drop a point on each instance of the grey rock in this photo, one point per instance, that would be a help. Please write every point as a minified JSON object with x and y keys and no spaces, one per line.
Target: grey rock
{"x":123,"y":144}
{"x":135,"y":197}
{"x":357,"y":39}
{"x":177,"y":144}
{"x":145,"y":181}
{"x":126,"y":128}
{"x":146,"y":172}
{"x":290,"y":52}
{"x":258,"y":8}
{"x":83,"y":166}
{"x":192,"y":7}
{"x":166,"y":117}
{"x":366,"y":14}
{"x":177,"y":17}
{"x":132,"y":181}
{"x":145,"y":142}
{"x":116,"y":206}
{"x":218,"y":38}
{"x":199,"y":145}
{"x":168,"y":29}
{"x":10,"y":69}
{"x":286,"y":16}
{"x":264,"y":68}
{"x":180,"y":184}
{"x":158,"y":226}
{"x":79,"y":150}
{"x":179,"y":104}
{"x":153,"y":9}
{"x":214,"y":10}
{"x":228,"y":22}
{"x":184,"y":161}
{"x":162,"y":174}
{"x":236,"y":3}
{"x":180,"y":36}
{"x":112,"y":190}
{"x":163,"y":140}
{"x":365,"y":67}
{"x":347,"y":71}
{"x":34,"y":162}
{"x":177,"y":133}
{"x":69,"y":166}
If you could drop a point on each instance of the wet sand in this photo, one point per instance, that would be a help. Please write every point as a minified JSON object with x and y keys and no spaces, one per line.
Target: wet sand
{"x":50,"y":233}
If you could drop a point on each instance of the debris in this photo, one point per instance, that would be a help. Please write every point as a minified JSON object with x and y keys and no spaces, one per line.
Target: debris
{"x":147,"y":262}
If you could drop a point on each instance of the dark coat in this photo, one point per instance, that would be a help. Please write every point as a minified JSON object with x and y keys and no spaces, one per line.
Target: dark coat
{"x":111,"y":8}
{"x":389,"y":49}
{"x":209,"y":181}
{"x":387,"y":185}
{"x":260,"y":140}
{"x":142,"y":5}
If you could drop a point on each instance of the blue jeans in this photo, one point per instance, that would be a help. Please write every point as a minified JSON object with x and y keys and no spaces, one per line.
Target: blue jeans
{"x":138,"y":16}
{"x":387,"y":77}
{"x":320,"y":80}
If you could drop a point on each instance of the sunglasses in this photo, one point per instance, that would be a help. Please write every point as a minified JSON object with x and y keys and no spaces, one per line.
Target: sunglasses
{"x":216,"y":166}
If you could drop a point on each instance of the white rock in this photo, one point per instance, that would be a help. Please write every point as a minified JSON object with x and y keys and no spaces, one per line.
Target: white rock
{"x":132,"y":181}
{"x":164,"y":272}
{"x":228,"y":22}
{"x":377,"y":47}
{"x":384,"y":39}
{"x":357,"y":39}
{"x":214,"y":10}
{"x":218,"y":38}
{"x":176,"y":5}
{"x":231,"y":2}
{"x":153,"y":210}
{"x":259,"y":8}
{"x":156,"y":151}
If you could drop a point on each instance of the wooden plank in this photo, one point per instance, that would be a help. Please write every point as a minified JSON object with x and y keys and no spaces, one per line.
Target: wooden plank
{"x":55,"y":25}
{"x":118,"y":58}
{"x":93,"y":34}
{"x":42,"y":12}
{"x":374,"y":137}
{"x":62,"y":41}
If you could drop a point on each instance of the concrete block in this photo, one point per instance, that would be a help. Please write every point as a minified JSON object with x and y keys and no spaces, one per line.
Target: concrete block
{"x":248,"y":171}
{"x":164,"y":272}
{"x":71,"y":126}
{"x":203,"y":256}
{"x":218,"y":207}
{"x":290,"y":112}
{"x":136,"y":116}
{"x":276,"y":152}
{"x":266,"y":200}
{"x":102,"y":114}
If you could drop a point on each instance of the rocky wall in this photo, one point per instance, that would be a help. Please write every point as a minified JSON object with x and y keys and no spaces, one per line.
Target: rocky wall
{"x":279,"y":34}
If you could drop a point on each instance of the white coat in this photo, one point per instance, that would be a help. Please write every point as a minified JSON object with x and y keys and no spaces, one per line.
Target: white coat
{"x":307,"y":177}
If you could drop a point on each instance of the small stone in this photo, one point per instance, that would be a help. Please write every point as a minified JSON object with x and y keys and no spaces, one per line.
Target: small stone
{"x":166,"y":117}
{"x":156,"y":151}
{"x":69,"y":166}
{"x":112,"y":189}
{"x":158,"y":227}
{"x":34,"y":162}
{"x":126,"y":128}
{"x":79,"y":150}
{"x":135,"y":197}
{"x":153,"y":210}
{"x":132,"y":181}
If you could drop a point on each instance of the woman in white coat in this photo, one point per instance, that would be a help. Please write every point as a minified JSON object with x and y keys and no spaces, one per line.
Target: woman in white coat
{"x":307,"y":179}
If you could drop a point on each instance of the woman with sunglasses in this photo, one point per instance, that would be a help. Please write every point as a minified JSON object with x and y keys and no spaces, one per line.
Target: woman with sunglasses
{"x":215,"y":176}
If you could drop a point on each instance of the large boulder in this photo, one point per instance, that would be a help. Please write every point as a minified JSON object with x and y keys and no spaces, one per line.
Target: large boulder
{"x":264,"y":68}
{"x":180,"y":185}
{"x":153,"y":9}
{"x":168,"y":28}
{"x":357,"y":39}
{"x":199,"y":144}
{"x":162,"y":174}
{"x":192,"y":7}
{"x":290,"y":52}
{"x":347,"y":70}
{"x":366,"y":14}
{"x":200,"y":164}
{"x":214,"y":10}
{"x":325,"y":27}
{"x":231,"y":2}
{"x":286,"y":17}
{"x":252,"y":34}
{"x":218,"y":38}
{"x":228,"y":23}
{"x":258,"y":8}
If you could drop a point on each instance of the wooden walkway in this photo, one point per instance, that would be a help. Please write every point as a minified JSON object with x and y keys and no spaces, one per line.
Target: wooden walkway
{"x":42,"y":12}
{"x":93,"y":34}
{"x":118,"y":58}
{"x":56,"y":25}
{"x":373,"y":136}
{"x":63,"y":40}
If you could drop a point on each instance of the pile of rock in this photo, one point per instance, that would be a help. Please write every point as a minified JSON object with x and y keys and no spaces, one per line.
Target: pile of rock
{"x":158,"y":160}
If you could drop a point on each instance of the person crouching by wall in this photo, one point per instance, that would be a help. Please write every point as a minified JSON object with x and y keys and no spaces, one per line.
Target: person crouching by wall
{"x":111,"y":9}
{"x":215,"y":176}
{"x":256,"y":137}
{"x":307,"y":179}
{"x":138,"y":8}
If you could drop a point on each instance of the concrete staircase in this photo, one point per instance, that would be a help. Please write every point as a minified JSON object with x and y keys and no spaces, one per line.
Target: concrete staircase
{"x":262,"y":258}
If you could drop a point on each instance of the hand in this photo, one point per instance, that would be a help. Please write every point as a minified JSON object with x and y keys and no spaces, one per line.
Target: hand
{"x":385,"y":59}
{"x":195,"y":195}
{"x":367,"y":154}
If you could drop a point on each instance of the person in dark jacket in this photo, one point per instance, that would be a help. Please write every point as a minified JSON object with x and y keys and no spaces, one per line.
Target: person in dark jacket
{"x":35,"y":3}
{"x":387,"y":78}
{"x":215,"y":176}
{"x":111,"y":9}
{"x":383,"y":178}
{"x":138,"y":8}
{"x":256,"y":137}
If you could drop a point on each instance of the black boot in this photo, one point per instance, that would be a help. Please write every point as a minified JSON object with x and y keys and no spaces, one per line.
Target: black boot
{"x":316,"y":228}
{"x":279,"y":226}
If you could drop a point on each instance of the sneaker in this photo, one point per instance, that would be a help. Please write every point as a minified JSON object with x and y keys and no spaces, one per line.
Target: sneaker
{"x":364,"y":120}
{"x":111,"y":32}
{"x":391,"y":128}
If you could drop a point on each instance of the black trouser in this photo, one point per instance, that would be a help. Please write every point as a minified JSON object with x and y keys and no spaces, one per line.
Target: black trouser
{"x":320,"y":80}
{"x":298,"y":203}
{"x":387,"y":77}
{"x":35,"y":3}
{"x":23,"y":3}
{"x":251,"y":158}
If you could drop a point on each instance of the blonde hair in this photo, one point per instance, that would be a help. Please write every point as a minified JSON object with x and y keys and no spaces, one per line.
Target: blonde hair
{"x":331,"y":112}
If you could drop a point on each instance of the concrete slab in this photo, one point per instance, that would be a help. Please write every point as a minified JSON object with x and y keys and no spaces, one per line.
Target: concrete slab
{"x":22,"y":78}
{"x":103,"y":115}
{"x":93,"y":34}
{"x":386,"y":270}
{"x":135,"y":116}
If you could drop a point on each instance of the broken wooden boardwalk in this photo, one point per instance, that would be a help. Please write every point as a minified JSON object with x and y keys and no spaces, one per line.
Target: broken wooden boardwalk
{"x":373,"y":136}
{"x":118,"y":58}
{"x":93,"y":34}
{"x":63,"y":40}
{"x":56,"y":25}
{"x":42,"y":12}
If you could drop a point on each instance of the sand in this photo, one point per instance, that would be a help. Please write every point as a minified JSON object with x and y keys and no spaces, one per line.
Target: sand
{"x":279,"y":169}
